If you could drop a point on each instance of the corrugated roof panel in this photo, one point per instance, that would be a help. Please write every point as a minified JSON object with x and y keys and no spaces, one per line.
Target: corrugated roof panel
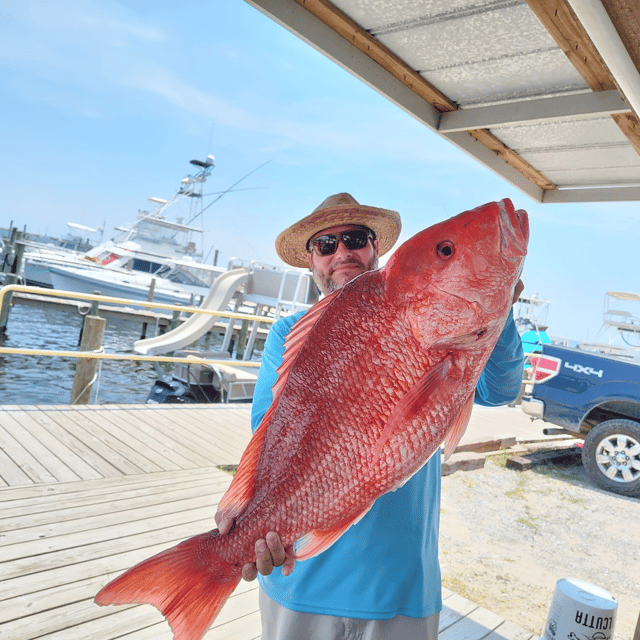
{"x":482,"y":52}
{"x":376,"y":14}
{"x":530,"y":75}
{"x":573,"y":178}
{"x":576,"y":152}
{"x":569,"y":133}
{"x":502,"y":54}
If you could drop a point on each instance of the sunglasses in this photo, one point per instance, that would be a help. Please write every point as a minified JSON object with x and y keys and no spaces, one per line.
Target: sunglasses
{"x":353,"y":239}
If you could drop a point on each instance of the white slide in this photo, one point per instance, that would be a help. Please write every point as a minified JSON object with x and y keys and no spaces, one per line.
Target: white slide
{"x":198,"y":324}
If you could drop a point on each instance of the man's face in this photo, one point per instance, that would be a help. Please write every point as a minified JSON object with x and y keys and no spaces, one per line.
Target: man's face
{"x":333,"y":271}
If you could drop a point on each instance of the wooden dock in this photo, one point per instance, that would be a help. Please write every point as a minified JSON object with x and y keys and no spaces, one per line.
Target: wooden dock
{"x":86,"y":492}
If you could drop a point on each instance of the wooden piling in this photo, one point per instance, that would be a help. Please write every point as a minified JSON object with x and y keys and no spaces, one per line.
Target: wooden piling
{"x":86,"y":368}
{"x":152,"y":289}
{"x":12,"y":265}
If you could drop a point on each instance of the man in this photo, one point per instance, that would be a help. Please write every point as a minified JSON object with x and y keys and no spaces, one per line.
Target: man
{"x":381,"y":579}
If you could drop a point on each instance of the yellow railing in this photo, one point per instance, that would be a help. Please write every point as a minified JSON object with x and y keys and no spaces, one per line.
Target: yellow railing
{"x":125,"y":301}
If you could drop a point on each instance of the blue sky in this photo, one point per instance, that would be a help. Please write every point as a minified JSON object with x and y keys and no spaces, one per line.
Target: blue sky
{"x":103,"y":104}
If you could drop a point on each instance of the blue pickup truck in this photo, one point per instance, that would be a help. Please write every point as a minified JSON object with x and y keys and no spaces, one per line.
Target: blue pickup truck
{"x":595,"y":397}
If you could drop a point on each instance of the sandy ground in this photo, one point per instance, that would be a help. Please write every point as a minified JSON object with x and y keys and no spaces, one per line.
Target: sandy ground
{"x":508,"y":536}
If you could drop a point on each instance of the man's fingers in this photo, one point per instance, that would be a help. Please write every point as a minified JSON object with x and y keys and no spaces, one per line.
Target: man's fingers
{"x":249,"y":572}
{"x":275,"y":547}
{"x":264,"y":561}
{"x":288,"y":566}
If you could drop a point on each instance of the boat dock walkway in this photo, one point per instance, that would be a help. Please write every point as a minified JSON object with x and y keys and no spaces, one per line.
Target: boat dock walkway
{"x":88,"y":491}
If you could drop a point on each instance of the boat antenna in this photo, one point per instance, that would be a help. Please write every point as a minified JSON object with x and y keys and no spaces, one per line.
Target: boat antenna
{"x":227,"y":190}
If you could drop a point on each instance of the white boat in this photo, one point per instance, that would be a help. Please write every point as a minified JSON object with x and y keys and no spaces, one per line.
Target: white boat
{"x":152,"y":248}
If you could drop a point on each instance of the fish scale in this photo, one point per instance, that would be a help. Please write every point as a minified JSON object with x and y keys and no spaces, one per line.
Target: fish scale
{"x":374,"y":379}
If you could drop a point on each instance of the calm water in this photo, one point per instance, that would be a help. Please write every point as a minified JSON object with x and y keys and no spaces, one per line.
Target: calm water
{"x":47,"y":380}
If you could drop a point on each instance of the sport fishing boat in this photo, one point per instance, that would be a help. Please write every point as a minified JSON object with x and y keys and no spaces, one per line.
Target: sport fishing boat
{"x":153,"y":248}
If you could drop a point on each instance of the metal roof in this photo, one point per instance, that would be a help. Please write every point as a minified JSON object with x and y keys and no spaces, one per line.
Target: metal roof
{"x":544,"y":92}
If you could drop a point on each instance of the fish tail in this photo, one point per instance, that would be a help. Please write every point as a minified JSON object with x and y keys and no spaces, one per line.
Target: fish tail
{"x":188,"y":583}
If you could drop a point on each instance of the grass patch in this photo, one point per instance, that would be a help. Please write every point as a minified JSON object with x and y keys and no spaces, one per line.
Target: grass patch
{"x":454,"y":583}
{"x":500,"y":459}
{"x":228,"y":468}
{"x":518,"y":492}
{"x":527,"y":523}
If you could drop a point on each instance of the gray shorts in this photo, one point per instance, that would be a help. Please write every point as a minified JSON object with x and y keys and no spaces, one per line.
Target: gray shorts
{"x":279,"y":623}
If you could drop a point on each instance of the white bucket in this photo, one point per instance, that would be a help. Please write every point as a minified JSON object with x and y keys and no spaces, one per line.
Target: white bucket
{"x":580,"y":611}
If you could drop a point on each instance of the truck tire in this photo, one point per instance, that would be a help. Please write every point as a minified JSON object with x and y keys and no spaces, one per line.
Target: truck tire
{"x":611,"y":456}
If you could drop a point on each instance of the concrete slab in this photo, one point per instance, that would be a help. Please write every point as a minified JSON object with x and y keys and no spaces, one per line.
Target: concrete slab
{"x":503,"y":423}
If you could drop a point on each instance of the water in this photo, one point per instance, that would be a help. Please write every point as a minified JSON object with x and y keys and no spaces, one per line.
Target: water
{"x":43,"y":380}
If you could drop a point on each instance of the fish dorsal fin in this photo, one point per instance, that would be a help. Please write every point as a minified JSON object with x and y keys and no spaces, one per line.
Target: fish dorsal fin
{"x":241,"y":490}
{"x":412,"y":401}
{"x":294,"y":341}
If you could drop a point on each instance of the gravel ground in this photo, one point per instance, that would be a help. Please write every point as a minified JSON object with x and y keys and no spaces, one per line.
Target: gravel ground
{"x":508,"y":536}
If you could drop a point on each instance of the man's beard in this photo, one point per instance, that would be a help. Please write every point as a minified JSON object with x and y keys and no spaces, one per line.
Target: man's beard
{"x":327,"y":285}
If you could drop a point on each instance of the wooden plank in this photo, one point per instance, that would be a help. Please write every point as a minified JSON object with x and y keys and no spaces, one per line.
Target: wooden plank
{"x":227,"y":429}
{"x":11,"y":473}
{"x":135,"y":431}
{"x":69,"y":520}
{"x":193,"y":440}
{"x":84,"y":619}
{"x":36,"y":425}
{"x":57,"y":469}
{"x":170,"y":427}
{"x":474,"y":626}
{"x":123,"y":457}
{"x":59,"y":427}
{"x":509,"y":631}
{"x":454,"y":609}
{"x":168,"y":444}
{"x":22,"y":458}
{"x":100,"y":485}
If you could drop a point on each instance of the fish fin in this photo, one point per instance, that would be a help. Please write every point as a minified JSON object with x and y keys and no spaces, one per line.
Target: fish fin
{"x":241,"y":490}
{"x":188,"y":590}
{"x":456,"y":432}
{"x":295,"y":339}
{"x":317,"y":541}
{"x":412,"y":401}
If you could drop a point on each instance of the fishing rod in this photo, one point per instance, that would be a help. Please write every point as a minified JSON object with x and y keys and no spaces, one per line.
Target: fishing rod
{"x":227,"y":191}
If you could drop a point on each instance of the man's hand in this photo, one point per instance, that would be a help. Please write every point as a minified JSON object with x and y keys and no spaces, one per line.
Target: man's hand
{"x":518,"y":290}
{"x":270,"y":552}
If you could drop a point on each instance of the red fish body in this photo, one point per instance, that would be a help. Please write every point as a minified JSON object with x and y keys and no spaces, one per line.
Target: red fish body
{"x":375,"y":378}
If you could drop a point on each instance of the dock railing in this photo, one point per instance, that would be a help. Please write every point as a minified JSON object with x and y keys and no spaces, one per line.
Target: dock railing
{"x":100,"y":354}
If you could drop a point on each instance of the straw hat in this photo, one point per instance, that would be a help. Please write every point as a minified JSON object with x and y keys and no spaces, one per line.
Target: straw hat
{"x":337,"y":210}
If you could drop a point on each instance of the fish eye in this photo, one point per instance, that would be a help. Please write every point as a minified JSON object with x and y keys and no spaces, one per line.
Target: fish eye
{"x":445,"y":249}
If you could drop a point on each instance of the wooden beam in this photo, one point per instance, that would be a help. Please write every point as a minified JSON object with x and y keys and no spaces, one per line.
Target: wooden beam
{"x":565,"y":28}
{"x":342,"y":24}
{"x":485,"y":137}
{"x":630,"y":126}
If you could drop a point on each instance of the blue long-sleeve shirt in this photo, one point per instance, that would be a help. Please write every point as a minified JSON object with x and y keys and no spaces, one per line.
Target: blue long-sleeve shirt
{"x":387,"y":563}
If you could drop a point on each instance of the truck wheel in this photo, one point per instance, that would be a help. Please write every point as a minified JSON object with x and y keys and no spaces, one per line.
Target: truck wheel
{"x":611,"y":456}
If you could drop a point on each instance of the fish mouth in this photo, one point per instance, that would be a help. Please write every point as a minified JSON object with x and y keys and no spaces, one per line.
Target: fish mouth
{"x":514,"y":230}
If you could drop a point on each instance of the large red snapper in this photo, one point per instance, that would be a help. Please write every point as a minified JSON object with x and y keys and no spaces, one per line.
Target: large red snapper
{"x":375,"y":378}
